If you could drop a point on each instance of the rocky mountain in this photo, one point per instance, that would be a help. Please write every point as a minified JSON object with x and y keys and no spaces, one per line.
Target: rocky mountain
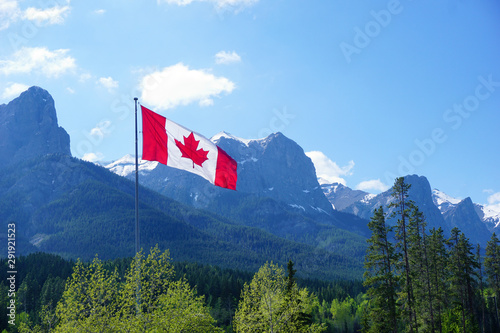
{"x":274,"y":167}
{"x":420,"y":192}
{"x":277,"y":191}
{"x":64,"y":205}
{"x":342,"y":196}
{"x":443,"y":201}
{"x":489,"y":215}
{"x":440,"y":210}
{"x":463,"y":216}
{"x":29,"y":128}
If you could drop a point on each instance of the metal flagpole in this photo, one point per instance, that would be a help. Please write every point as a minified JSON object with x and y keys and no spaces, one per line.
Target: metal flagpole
{"x":137,"y":239}
{"x":137,"y":234}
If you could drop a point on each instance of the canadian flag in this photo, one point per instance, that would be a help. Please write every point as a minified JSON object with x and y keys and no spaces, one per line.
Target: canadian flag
{"x":176,"y":146}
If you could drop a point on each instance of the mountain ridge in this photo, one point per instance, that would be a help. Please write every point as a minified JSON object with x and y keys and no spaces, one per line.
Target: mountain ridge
{"x":29,"y":128}
{"x":453,"y":212}
{"x":63,"y":205}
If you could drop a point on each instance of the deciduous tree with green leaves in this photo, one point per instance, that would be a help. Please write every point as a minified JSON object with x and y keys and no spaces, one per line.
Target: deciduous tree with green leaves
{"x":96,"y":300}
{"x":273,"y":303}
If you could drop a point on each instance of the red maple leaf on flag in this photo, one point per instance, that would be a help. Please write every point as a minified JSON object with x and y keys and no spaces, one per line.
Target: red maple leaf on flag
{"x":190,"y":150}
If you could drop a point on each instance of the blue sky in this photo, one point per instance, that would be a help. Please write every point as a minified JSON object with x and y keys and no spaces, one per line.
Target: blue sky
{"x":370,"y":89}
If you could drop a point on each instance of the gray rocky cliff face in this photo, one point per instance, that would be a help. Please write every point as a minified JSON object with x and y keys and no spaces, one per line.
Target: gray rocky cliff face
{"x":420,"y":192}
{"x":278,"y":168}
{"x":342,"y":196}
{"x":29,"y":128}
{"x":464,"y":217}
{"x":274,"y":167}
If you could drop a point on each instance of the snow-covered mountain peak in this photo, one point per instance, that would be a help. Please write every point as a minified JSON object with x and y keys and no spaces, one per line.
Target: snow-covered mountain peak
{"x":327,"y":182}
{"x":492,"y":211}
{"x":490,"y":214}
{"x":126,"y":165}
{"x":262,"y":142}
{"x":368,"y":197}
{"x":217,"y":137}
{"x":443,"y":201}
{"x":327,"y":187}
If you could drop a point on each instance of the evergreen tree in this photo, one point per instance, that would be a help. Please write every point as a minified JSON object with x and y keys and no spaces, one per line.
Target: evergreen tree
{"x":492,"y":267}
{"x":492,"y":264}
{"x":402,"y":206}
{"x":380,"y":264}
{"x":462,"y":266}
{"x":438,"y":258}
{"x":420,"y":274}
{"x":481,"y":287}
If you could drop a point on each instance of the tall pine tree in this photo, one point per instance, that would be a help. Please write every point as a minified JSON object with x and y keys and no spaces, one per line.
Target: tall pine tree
{"x":492,"y":267}
{"x":492,"y":264}
{"x":462,"y":266}
{"x":402,"y":206}
{"x":380,"y":262}
{"x":420,"y":274}
{"x":438,"y":258}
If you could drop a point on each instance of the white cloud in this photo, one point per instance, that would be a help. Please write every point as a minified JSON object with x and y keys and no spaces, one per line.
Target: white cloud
{"x":9,"y":13}
{"x":179,"y":85}
{"x":328,"y":171}
{"x":372,"y":185}
{"x":206,"y":102}
{"x":494,"y":198}
{"x":99,"y":11}
{"x":493,"y":207}
{"x":108,"y":83}
{"x":93,"y":157}
{"x":176,"y":2}
{"x":224,"y":57}
{"x":70,"y":90}
{"x":102,"y":129}
{"x":14,"y":90}
{"x":49,"y":16}
{"x":38,"y":60}
{"x":217,"y":3}
{"x":84,"y":77}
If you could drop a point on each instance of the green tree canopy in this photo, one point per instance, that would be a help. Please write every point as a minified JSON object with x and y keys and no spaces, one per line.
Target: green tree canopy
{"x":95,"y":300}
{"x":270,"y":304}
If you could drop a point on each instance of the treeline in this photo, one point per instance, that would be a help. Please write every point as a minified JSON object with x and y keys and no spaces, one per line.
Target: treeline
{"x":421,"y":281}
{"x":98,"y":217}
{"x":415,"y":280}
{"x":42,"y":279}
